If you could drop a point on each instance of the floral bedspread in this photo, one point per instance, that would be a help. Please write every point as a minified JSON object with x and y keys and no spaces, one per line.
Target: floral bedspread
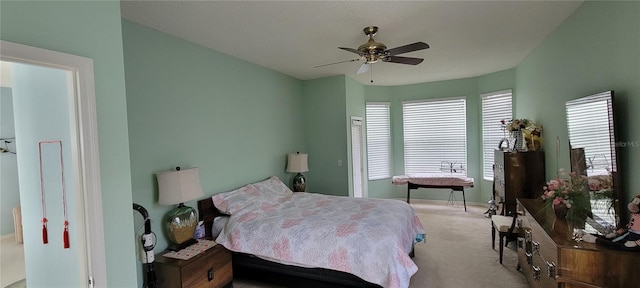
{"x":369,"y":238}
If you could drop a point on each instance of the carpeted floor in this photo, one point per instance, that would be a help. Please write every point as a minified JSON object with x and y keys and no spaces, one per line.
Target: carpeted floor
{"x":457,"y":252}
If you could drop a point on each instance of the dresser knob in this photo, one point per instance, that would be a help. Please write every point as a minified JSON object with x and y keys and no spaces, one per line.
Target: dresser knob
{"x":551,"y":270}
{"x":536,"y":248}
{"x":520,"y":242}
{"x":536,"y":273}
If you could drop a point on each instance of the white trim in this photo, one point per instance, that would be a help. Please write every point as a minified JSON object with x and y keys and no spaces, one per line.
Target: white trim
{"x":87,"y":129}
{"x":3,"y":237}
{"x":355,"y":122}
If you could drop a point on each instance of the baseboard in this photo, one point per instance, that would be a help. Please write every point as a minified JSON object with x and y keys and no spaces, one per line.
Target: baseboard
{"x":442,"y":202}
{"x":12,"y":235}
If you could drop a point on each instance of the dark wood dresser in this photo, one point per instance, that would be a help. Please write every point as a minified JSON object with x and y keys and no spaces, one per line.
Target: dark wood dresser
{"x":517,"y":175}
{"x":548,"y":256}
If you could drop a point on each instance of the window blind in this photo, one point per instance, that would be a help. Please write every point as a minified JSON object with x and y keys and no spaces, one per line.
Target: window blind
{"x":378,"y":140}
{"x":495,"y":107}
{"x":435,"y":136}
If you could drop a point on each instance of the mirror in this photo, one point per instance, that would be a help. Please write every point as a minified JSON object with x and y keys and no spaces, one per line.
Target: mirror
{"x":592,"y":147}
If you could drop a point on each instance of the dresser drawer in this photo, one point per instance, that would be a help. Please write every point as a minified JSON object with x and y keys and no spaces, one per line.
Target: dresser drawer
{"x":538,"y":256}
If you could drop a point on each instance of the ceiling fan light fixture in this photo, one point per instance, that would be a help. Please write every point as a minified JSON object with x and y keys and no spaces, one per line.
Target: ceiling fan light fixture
{"x":372,"y":51}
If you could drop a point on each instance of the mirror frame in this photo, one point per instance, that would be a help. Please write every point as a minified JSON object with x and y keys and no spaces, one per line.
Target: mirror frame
{"x":577,"y":155}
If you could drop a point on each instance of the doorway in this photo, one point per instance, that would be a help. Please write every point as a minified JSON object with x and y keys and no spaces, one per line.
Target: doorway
{"x":54,"y":100}
{"x":357,"y":156}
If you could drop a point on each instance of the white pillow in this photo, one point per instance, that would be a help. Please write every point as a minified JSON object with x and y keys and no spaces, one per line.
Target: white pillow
{"x":236,"y":200}
{"x":273,"y":186}
{"x":218,"y":224}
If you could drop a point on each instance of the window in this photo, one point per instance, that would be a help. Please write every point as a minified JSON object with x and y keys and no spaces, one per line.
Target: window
{"x":435,"y":136}
{"x":378,"y":141}
{"x":495,"y":107}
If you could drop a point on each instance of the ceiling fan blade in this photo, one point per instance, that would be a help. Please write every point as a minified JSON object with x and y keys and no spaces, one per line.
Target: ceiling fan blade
{"x":352,"y":60}
{"x":363,"y":68}
{"x":407,"y":48}
{"x":403,"y":60}
{"x":351,"y":50}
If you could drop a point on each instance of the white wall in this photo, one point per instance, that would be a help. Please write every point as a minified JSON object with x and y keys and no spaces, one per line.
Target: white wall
{"x":41,"y":108}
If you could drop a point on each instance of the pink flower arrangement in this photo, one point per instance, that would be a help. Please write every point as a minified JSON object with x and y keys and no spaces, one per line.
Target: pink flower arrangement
{"x":565,"y":190}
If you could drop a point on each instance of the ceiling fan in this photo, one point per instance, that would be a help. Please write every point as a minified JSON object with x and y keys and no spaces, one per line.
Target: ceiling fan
{"x":372,"y":52}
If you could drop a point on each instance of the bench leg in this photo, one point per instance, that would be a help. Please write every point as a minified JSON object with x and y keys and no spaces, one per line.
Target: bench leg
{"x":464,"y":200}
{"x":408,"y":193}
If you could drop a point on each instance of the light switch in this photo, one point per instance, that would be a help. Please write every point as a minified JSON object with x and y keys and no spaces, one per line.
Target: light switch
{"x":339,"y":162}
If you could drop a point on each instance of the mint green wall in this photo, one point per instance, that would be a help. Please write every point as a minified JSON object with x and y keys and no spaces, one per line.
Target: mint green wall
{"x":91,"y":29}
{"x":355,"y":107}
{"x":9,"y":188}
{"x":194,"y":107}
{"x":324,"y":107}
{"x":595,"y":49}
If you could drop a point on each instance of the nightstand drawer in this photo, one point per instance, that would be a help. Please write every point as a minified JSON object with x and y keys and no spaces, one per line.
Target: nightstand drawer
{"x":212,"y":278}
{"x":211,"y":269}
{"x":211,"y":272}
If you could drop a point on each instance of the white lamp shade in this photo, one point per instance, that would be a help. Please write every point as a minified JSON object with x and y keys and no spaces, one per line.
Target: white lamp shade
{"x":178,"y":186}
{"x":297,"y":163}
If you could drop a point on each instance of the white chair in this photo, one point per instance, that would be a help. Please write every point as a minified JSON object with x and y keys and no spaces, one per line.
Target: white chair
{"x":507,"y":229}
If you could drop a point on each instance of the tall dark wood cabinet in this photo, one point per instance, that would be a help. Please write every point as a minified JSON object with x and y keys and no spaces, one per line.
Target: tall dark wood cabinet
{"x":517,"y":175}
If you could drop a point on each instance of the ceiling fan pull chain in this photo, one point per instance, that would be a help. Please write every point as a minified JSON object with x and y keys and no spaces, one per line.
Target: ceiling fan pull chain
{"x":371,"y":73}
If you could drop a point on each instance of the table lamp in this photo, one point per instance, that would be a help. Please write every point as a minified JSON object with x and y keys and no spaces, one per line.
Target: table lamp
{"x":297,"y":163}
{"x":177,"y":187}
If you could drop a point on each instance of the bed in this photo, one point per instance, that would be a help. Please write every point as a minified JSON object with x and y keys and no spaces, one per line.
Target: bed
{"x":331,"y":241}
{"x":449,"y":181}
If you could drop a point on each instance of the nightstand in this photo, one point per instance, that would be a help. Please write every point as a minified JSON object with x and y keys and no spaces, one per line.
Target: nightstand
{"x":211,"y":269}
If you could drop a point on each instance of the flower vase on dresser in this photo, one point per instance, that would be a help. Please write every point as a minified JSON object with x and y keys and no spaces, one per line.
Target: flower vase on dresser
{"x":524,"y":134}
{"x":560,"y":210}
{"x":518,"y":140}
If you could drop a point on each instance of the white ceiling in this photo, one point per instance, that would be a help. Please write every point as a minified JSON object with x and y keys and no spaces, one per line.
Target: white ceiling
{"x":467,"y":38}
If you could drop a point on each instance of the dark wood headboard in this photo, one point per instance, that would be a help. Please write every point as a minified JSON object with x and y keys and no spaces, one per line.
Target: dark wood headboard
{"x":207,"y":212}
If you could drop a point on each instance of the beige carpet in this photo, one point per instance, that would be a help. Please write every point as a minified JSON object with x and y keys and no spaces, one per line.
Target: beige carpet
{"x":457,"y":252}
{"x":11,"y":261}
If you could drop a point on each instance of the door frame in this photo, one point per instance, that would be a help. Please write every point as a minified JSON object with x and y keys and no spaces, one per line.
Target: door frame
{"x":87,"y":134}
{"x":362,"y":155}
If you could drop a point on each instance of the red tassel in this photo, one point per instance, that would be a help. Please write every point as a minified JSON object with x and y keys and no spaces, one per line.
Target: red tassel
{"x":45,"y":237}
{"x":65,"y":235}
